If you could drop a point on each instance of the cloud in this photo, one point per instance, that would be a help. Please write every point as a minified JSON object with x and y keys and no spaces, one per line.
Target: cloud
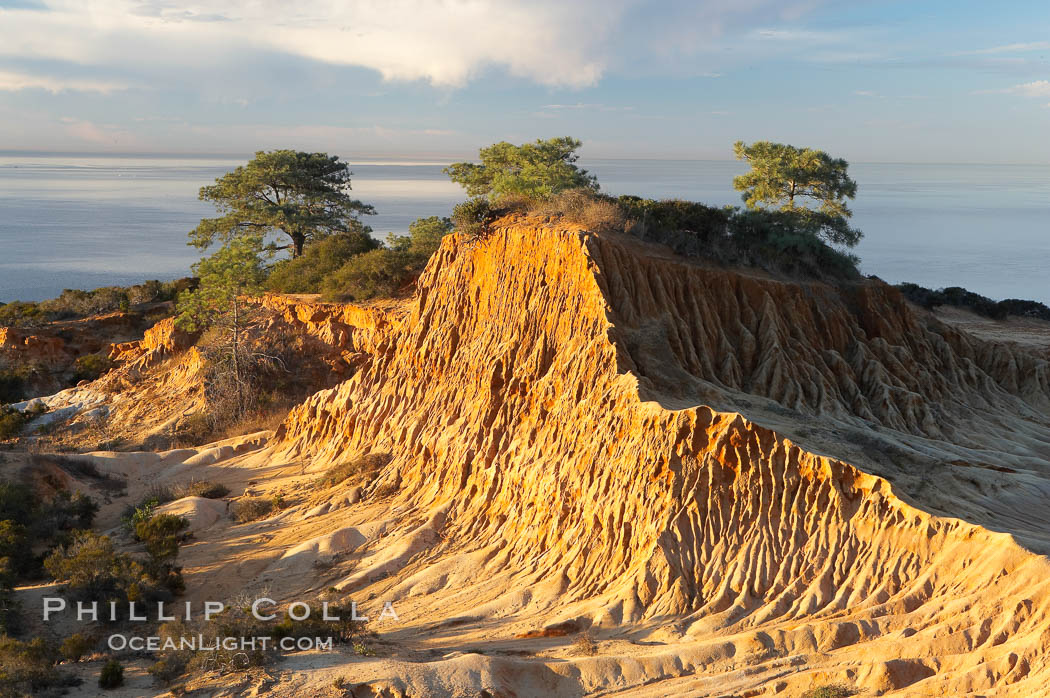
{"x":1038,"y":88}
{"x":97,"y":134}
{"x":11,"y":81}
{"x":1013,"y":48}
{"x":447,"y":44}
{"x":582,"y":106}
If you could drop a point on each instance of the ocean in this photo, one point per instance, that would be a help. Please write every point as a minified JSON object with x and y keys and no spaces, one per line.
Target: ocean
{"x":74,"y":221}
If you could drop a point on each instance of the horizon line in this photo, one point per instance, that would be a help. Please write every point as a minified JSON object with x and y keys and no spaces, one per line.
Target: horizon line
{"x":441,"y":158}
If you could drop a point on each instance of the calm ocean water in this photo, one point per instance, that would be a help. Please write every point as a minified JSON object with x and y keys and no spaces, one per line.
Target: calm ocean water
{"x":83,"y":222}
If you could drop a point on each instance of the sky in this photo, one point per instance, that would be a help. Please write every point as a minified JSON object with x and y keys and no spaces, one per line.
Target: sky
{"x":868,"y":80}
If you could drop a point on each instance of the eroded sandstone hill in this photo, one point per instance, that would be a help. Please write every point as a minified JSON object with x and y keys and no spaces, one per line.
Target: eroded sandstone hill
{"x":776,"y":484}
{"x":739,"y":485}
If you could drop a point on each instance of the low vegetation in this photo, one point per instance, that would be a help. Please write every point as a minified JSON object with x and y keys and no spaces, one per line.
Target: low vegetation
{"x":961,"y":298}
{"x":238,"y":621}
{"x":30,"y":668}
{"x":362,"y":469}
{"x":74,"y":304}
{"x":112,"y":675}
{"x":307,"y":273}
{"x":830,"y":691}
{"x":795,"y":213}
{"x":255,"y":508}
{"x":76,"y":646}
{"x":201,"y":488}
{"x":586,"y":644}
{"x":379,"y":273}
{"x":91,"y":366}
{"x":12,"y":422}
{"x":91,"y":569}
{"x":13,"y":383}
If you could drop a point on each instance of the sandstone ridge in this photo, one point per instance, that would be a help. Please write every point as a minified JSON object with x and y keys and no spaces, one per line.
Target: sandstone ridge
{"x":763,"y":485}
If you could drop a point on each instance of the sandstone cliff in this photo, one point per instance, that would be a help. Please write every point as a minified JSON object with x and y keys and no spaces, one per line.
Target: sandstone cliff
{"x":740,"y":485}
{"x":580,"y":436}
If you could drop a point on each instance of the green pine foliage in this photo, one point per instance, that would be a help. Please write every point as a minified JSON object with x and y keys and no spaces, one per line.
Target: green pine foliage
{"x":535,"y":170}
{"x":804,"y":184}
{"x":300,"y":196}
{"x":306,"y":273}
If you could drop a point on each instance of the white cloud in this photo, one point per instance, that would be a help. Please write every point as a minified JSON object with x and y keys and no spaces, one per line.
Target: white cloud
{"x":583,"y":106}
{"x":1014,"y":48}
{"x":446,"y":43}
{"x":14,"y":81}
{"x":1038,"y":88}
{"x":87,"y":132}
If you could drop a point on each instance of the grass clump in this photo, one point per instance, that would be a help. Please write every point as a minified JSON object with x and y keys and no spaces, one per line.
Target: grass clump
{"x":361,"y":469}
{"x":201,"y":488}
{"x":252,"y":509}
{"x":586,"y":644}
{"x":830,"y":691}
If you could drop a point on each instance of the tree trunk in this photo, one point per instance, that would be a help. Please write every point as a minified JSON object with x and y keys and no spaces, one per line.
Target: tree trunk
{"x":236,"y":357}
{"x":298,"y":241}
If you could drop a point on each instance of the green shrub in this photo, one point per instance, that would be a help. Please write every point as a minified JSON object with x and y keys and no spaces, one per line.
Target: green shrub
{"x":28,"y":668}
{"x":473,"y":216}
{"x":701,"y":225}
{"x":91,"y":366}
{"x":76,"y":303}
{"x":154,"y":291}
{"x":359,"y":469}
{"x":780,"y":241}
{"x":93,"y":570}
{"x":20,"y":314}
{"x":161,"y":534}
{"x":136,"y":514}
{"x":76,"y":646}
{"x":169,"y":668}
{"x":379,"y":273}
{"x":112,"y":675}
{"x":12,"y":386}
{"x":11,"y":422}
{"x":424,"y":237}
{"x":975,"y":302}
{"x":27,"y":520}
{"x":306,"y":273}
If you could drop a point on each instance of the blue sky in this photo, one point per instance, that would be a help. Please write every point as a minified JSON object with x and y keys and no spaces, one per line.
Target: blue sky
{"x":866,"y":80}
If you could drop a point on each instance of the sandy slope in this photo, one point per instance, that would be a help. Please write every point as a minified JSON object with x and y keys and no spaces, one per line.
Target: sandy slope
{"x":739,"y":486}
